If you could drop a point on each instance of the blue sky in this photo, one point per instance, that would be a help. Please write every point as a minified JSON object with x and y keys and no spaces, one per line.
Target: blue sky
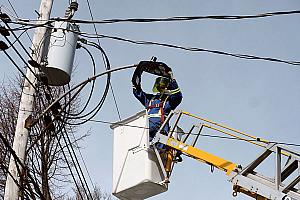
{"x":258,"y":97}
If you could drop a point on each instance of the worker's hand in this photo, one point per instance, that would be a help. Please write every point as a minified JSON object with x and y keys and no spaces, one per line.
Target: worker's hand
{"x":136,"y":81}
{"x":136,"y":77}
{"x":170,"y":73}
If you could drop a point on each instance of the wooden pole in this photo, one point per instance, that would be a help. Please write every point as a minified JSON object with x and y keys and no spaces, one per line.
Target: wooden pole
{"x":26,"y":105}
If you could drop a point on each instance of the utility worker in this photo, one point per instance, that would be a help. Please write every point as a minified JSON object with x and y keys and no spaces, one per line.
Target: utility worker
{"x":168,"y":96}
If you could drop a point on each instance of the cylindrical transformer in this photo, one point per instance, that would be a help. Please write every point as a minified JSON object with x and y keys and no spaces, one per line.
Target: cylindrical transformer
{"x":61,"y":53}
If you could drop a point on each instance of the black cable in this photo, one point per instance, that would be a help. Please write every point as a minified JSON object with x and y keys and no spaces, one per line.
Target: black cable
{"x":80,"y":86}
{"x":47,"y":24}
{"x":17,"y":159}
{"x":170,"y":19}
{"x":23,"y":47}
{"x":192,"y":49}
{"x":80,"y":172}
{"x":77,"y":186}
{"x":20,"y":56}
{"x":93,"y":84}
{"x":65,"y":132}
{"x":60,"y":130}
{"x":182,"y":18}
{"x":196,"y":49}
{"x":15,"y":64}
{"x":18,"y":17}
{"x":205,"y":135}
{"x":84,"y":164}
{"x":97,"y":108}
{"x":107,"y":67}
{"x":24,"y":31}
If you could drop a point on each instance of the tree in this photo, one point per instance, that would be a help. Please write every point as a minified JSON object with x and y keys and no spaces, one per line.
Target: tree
{"x":48,"y":156}
{"x":97,"y":194}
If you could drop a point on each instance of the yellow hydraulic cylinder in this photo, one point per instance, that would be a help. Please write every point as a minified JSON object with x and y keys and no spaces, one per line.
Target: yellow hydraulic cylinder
{"x":202,"y":156}
{"x":169,"y":160}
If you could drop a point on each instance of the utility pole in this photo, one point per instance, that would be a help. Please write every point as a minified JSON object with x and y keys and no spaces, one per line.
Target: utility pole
{"x":26,"y":105}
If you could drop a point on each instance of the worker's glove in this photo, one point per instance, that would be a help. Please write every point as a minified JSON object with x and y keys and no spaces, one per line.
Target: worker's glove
{"x":171,"y":76}
{"x":136,"y":77}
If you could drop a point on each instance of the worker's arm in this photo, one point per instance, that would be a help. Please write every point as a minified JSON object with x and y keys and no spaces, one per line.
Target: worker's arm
{"x":143,"y":97}
{"x":175,"y":94}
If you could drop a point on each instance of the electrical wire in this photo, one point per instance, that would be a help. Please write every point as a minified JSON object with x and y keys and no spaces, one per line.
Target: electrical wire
{"x":68,"y":143}
{"x":103,"y":57}
{"x":20,"y":56}
{"x":191,"y":49}
{"x":204,"y":135}
{"x":93,"y":83}
{"x":196,"y":49}
{"x":190,"y":18}
{"x":175,"y":18}
{"x":23,"y":47}
{"x":76,"y":162}
{"x":79,"y":87}
{"x":19,"y":36}
{"x":64,"y":154}
{"x":18,"y":68}
{"x":84,"y":164}
{"x":18,"y":17}
{"x":97,"y":108}
{"x":19,"y":162}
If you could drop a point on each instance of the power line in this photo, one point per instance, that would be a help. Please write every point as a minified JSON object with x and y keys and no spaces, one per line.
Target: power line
{"x":76,"y":164}
{"x":107,"y":67}
{"x":186,"y":18}
{"x":84,"y":164}
{"x":18,"y":17}
{"x":19,"y":162}
{"x":15,"y":64}
{"x":174,"y":18}
{"x":68,"y":143}
{"x":204,"y":135}
{"x":191,"y":49}
{"x":196,"y":49}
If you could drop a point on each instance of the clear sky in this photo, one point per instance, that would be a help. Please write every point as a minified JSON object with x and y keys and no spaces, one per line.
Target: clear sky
{"x":258,"y":97}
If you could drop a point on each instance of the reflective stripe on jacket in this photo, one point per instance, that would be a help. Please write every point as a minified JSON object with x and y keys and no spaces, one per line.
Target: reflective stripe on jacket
{"x":170,"y":100}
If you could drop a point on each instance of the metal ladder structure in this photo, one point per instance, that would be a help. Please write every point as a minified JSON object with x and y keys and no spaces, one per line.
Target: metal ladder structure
{"x":284,"y":186}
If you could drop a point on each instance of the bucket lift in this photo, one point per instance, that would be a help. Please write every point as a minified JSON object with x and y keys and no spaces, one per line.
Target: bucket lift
{"x":139,"y":170}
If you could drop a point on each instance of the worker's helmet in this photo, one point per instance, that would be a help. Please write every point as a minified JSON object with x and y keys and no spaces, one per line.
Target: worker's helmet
{"x":161,"y":83}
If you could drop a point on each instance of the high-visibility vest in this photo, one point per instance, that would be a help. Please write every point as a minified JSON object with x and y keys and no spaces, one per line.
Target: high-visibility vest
{"x":160,"y":105}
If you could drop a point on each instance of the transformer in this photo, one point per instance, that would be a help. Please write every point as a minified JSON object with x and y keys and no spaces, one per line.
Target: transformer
{"x":62,"y":46}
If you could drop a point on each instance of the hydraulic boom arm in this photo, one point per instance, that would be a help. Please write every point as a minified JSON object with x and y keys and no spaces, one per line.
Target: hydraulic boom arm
{"x":284,"y":186}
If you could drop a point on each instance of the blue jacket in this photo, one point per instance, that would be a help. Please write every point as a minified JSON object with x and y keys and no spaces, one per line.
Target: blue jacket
{"x":159,"y":105}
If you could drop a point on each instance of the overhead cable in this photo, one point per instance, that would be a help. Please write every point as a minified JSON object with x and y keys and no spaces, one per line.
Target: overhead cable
{"x":62,"y":130}
{"x":175,"y":18}
{"x":18,"y":17}
{"x":103,"y":58}
{"x":189,"y":18}
{"x":196,"y":49}
{"x":19,"y":162}
{"x":191,"y":49}
{"x":205,"y":135}
{"x":18,"y":68}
